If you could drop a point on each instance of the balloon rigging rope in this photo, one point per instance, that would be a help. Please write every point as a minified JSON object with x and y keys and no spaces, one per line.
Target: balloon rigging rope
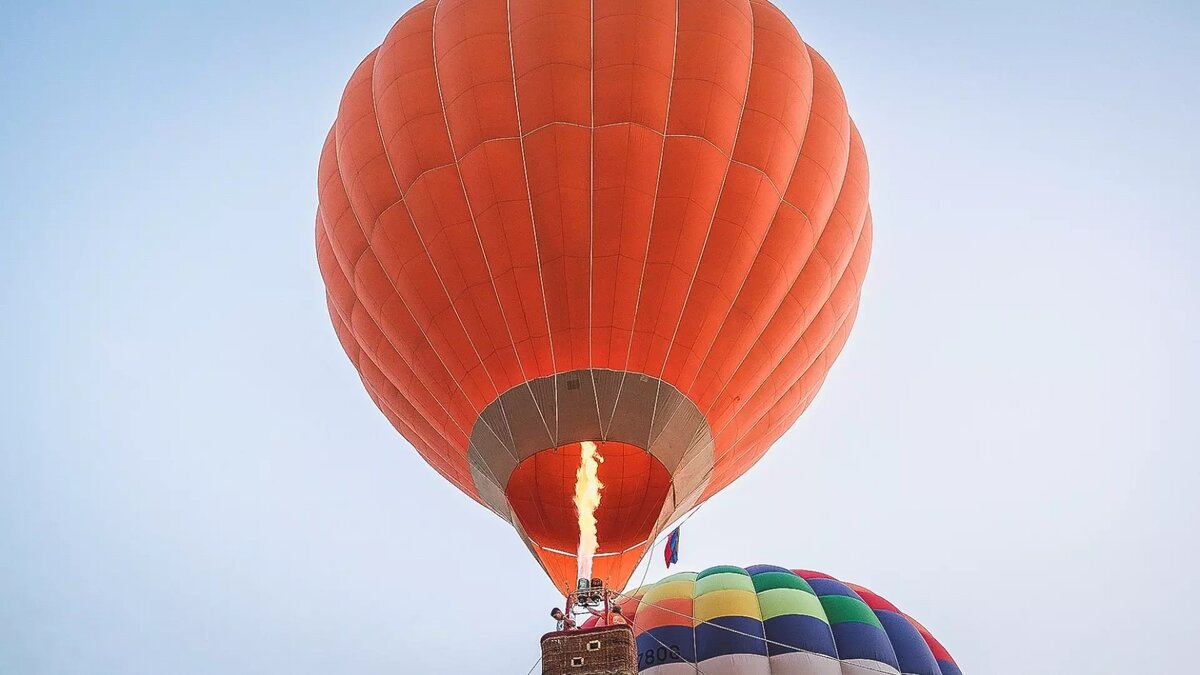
{"x":650,"y":555}
{"x":649,"y":561}
{"x":749,"y":635}
{"x":535,"y":665}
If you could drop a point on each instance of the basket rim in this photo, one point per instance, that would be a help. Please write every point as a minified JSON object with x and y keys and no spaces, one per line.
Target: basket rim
{"x":598,"y":630}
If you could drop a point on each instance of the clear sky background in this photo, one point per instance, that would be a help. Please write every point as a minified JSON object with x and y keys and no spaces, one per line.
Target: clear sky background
{"x":192,"y":480}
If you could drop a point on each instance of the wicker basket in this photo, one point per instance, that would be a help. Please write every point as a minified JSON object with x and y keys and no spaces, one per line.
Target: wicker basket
{"x":597,"y":651}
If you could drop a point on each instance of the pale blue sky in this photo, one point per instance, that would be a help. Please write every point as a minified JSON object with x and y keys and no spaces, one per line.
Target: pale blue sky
{"x":192,"y":480}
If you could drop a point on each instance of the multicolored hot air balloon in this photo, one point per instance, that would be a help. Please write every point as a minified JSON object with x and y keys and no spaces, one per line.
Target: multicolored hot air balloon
{"x":775,"y":621}
{"x":642,"y":223}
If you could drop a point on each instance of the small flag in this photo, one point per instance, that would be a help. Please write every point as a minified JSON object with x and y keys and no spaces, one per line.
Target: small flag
{"x":671,"y":552}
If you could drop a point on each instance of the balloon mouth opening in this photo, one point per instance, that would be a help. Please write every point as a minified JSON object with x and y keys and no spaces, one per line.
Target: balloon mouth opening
{"x":541,"y":492}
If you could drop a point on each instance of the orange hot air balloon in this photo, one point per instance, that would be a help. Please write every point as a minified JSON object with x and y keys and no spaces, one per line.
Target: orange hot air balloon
{"x":641,"y":223}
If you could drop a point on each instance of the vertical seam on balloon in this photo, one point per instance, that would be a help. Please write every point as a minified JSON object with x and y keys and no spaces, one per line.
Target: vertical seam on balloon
{"x":822,"y":360}
{"x":729,"y":452}
{"x":592,"y":218}
{"x":365,"y":357}
{"x":782,"y":200}
{"x":791,"y":177}
{"x":449,"y":416}
{"x":840,"y":320}
{"x":380,"y":401}
{"x":775,"y":368}
{"x":637,"y":303}
{"x":483,"y":250}
{"x":716,"y":208}
{"x":708,"y":233}
{"x":346,"y":321}
{"x":846,"y":316}
{"x":537,"y":254}
{"x":816,"y":243}
{"x":425,"y":248}
{"x":749,"y":427}
{"x":339,"y":319}
{"x":432,"y":396}
{"x":520,"y":365}
{"x":395,"y":289}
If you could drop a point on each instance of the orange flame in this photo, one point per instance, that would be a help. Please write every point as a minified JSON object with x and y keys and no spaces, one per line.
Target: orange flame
{"x":587,"y":498}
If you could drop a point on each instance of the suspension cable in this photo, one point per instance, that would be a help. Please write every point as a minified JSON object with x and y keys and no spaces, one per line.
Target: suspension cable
{"x":661,"y":539}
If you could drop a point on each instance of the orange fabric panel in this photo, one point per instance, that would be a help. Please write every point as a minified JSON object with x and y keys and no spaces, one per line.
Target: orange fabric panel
{"x":746,"y":453}
{"x":745,"y":347}
{"x":370,"y":187}
{"x":773,"y":127}
{"x":732,"y":243}
{"x":634,"y":51}
{"x":414,"y":412}
{"x":626,"y":173}
{"x":381,"y":366}
{"x":691,"y":175}
{"x":821,"y":167}
{"x":551,"y":58}
{"x":751,"y":434}
{"x":378,"y":316}
{"x":474,"y":73}
{"x":557,"y":165}
{"x":496,"y":185}
{"x":451,"y":284}
{"x":551,"y":54}
{"x":780,"y":96}
{"x":710,"y":85}
{"x":792,"y":321}
{"x":408,"y":108}
{"x":394,"y":233}
{"x":714,"y":41}
{"x":401,"y":413}
{"x":439,"y":201}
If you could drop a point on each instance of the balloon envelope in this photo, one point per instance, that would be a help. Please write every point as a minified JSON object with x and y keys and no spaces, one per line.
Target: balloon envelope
{"x":640,"y":223}
{"x":767,"y":620}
